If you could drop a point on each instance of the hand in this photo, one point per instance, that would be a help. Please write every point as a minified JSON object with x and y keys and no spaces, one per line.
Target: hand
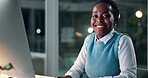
{"x":64,"y":77}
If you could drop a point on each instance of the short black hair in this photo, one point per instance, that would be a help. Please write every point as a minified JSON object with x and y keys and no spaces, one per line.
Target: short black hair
{"x":113,"y":5}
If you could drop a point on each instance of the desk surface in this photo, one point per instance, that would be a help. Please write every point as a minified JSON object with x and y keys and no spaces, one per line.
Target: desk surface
{"x":40,"y":76}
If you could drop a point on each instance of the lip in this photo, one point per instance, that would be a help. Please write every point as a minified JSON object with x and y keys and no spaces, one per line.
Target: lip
{"x":99,"y":25}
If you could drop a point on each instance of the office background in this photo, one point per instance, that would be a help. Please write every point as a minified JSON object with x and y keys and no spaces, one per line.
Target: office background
{"x":73,"y":24}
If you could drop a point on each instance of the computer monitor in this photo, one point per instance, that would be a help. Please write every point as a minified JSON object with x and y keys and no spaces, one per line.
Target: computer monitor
{"x":14,"y":47}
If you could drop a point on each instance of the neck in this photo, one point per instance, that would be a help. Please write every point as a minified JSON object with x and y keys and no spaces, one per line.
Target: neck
{"x":102,"y":35}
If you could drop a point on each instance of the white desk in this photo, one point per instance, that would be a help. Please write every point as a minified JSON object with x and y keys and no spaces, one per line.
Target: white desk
{"x":36,"y":76}
{"x":39,"y":76}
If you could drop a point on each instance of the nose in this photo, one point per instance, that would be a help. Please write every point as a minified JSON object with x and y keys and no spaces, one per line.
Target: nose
{"x":99,"y":19}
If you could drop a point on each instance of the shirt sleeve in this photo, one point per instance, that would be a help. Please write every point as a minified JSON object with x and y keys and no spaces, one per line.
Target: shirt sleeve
{"x":127,"y":59}
{"x":78,"y":69}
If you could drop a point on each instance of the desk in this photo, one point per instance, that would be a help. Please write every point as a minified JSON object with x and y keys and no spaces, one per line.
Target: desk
{"x":36,"y":76}
{"x":40,"y":76}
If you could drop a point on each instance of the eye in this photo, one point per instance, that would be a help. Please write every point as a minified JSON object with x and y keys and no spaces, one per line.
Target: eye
{"x":106,"y":15}
{"x":95,"y":16}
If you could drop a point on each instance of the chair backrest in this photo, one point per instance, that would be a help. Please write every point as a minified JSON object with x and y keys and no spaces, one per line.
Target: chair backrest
{"x":142,"y":73}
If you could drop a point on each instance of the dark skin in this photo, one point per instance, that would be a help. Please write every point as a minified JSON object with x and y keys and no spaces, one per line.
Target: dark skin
{"x":102,"y":21}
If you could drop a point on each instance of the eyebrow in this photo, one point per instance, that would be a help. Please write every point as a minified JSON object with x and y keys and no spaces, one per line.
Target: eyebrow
{"x":98,"y":12}
{"x":95,"y":12}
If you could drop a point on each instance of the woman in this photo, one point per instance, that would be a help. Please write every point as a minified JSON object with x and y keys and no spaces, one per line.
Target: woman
{"x":105,"y":53}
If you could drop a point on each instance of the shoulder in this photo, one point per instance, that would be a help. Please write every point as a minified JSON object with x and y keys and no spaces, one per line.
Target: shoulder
{"x":123,"y":37}
{"x":126,"y":45}
{"x":88,"y":38}
{"x":125,"y":40}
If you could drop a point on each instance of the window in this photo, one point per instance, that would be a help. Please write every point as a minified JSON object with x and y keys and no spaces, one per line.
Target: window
{"x":74,"y":21}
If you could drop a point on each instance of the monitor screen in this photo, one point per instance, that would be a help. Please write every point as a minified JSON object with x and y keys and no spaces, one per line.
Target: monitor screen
{"x":15,"y":57}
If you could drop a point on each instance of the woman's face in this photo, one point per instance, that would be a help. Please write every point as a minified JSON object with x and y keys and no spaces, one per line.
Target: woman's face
{"x":102,"y":19}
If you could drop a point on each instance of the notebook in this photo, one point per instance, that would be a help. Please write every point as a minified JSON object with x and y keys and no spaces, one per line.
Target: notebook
{"x":15,"y":57}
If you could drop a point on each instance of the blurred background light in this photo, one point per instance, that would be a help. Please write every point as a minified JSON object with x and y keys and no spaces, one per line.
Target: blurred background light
{"x":90,"y":30}
{"x":38,"y":31}
{"x":139,"y":14}
{"x":78,"y":34}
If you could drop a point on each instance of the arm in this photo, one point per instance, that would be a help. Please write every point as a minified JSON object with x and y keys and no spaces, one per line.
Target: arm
{"x":127,"y":59}
{"x":77,"y":69}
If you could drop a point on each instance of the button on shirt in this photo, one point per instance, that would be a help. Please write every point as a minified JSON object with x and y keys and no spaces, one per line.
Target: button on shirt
{"x":126,"y":56}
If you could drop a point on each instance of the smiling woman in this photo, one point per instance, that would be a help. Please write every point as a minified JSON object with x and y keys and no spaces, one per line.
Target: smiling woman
{"x":105,"y":53}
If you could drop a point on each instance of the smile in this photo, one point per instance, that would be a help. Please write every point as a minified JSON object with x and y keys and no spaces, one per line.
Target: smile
{"x":100,"y":26}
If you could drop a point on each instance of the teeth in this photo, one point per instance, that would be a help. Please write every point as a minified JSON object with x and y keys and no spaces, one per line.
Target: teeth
{"x":99,"y":26}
